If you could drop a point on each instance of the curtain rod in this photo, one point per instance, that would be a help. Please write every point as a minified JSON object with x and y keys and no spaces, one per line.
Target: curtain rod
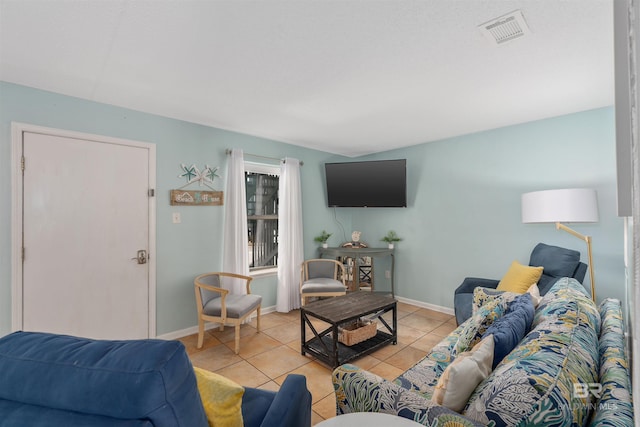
{"x":228,"y":151}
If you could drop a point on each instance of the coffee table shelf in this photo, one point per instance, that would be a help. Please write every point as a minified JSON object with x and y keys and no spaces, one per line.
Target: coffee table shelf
{"x":342,"y":310}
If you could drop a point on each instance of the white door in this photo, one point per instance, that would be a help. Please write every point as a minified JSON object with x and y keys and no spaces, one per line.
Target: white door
{"x":86,"y":214}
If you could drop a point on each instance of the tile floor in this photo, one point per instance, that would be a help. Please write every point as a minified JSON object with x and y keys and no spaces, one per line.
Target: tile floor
{"x":267,"y":357}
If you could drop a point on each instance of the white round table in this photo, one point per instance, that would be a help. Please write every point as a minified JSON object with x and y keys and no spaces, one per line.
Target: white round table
{"x":370,"y":419}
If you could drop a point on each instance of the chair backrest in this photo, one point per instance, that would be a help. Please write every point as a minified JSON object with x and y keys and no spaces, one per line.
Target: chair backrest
{"x":557,"y":262}
{"x":212,"y":279}
{"x":320,"y":268}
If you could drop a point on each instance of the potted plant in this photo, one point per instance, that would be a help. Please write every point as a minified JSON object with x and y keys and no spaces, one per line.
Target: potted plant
{"x":391,"y":238}
{"x":322,"y":238}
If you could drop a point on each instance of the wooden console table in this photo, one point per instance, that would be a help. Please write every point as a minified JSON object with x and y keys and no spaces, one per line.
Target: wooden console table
{"x":356,"y":254}
{"x":342,"y":310}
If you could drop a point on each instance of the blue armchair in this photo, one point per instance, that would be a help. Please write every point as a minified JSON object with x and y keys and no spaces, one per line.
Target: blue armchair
{"x":59,"y":380}
{"x":290,"y":406}
{"x":557,"y":262}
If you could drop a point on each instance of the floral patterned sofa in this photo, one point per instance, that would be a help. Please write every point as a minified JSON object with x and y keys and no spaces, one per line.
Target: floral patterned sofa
{"x":571,"y":369}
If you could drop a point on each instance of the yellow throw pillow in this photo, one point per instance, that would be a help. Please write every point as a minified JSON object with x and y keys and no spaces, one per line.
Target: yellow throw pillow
{"x":221,"y":398}
{"x":519,"y":278}
{"x":463,"y":375}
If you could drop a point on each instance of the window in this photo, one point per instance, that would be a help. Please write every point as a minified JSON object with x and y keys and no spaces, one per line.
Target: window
{"x":262,"y":183}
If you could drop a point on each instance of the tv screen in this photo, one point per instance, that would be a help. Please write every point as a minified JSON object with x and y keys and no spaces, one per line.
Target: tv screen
{"x":373,"y":184}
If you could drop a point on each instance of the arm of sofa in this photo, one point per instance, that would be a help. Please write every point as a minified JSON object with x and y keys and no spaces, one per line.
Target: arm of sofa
{"x":615,"y":400}
{"x":358,"y":390}
{"x":291,"y":405}
{"x":470,"y":283}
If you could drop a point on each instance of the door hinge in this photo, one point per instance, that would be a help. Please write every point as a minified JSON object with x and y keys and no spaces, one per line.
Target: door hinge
{"x":23,"y":251}
{"x":152,"y":192}
{"x":22,"y":161}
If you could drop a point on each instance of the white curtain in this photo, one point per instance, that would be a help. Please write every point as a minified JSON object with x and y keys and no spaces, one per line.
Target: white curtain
{"x":235,"y":258}
{"x":290,"y":250}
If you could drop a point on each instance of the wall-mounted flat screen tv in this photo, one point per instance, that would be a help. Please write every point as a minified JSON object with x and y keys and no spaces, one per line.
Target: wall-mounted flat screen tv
{"x":373,"y":184}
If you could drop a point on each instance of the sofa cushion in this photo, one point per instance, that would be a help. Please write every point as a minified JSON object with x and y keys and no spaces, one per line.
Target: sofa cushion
{"x":534,"y":383}
{"x":138,"y":379}
{"x":508,"y":330}
{"x":548,"y":307}
{"x":463,"y":375}
{"x":221,"y":398}
{"x":519,"y":278}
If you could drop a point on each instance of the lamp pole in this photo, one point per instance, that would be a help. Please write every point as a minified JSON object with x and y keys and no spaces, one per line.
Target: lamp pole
{"x":587,"y":239}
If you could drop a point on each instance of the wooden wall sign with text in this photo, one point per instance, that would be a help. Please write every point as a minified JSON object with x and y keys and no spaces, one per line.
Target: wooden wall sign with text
{"x":196,"y":198}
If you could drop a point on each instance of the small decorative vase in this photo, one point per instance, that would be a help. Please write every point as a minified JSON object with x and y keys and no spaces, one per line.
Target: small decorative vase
{"x":325,"y":245}
{"x":390,"y":245}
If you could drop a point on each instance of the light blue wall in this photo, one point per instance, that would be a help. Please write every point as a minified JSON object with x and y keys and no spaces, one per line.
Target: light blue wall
{"x":464,"y":199}
{"x":183,"y":250}
{"x":464,"y":211}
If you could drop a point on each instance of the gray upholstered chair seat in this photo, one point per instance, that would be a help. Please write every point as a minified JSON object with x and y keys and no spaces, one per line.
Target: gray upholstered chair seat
{"x":237,"y":305}
{"x":323,"y":284}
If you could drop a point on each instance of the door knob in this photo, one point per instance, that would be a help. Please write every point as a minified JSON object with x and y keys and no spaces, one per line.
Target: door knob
{"x":142,"y":257}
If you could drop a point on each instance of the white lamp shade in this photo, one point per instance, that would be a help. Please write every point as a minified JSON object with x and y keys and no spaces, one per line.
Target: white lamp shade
{"x":566,"y":205}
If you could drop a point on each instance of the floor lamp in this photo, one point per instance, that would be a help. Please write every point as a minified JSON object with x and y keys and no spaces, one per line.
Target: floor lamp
{"x":566,"y":205}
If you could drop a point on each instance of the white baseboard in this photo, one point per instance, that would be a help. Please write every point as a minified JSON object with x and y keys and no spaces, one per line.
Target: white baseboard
{"x":266,"y":310}
{"x":421,"y":304}
{"x":194,"y":329}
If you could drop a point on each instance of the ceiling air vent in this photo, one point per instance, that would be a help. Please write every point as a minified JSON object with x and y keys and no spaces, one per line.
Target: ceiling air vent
{"x":505,"y":28}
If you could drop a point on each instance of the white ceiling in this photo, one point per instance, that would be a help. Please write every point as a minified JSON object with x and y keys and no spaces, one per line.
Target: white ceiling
{"x":347,"y":77}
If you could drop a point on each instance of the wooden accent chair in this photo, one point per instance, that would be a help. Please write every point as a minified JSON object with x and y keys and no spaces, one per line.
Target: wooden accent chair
{"x":215,"y":304}
{"x":320,"y":278}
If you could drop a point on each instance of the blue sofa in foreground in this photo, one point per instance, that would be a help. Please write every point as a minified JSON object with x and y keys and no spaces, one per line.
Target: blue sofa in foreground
{"x":58,"y":380}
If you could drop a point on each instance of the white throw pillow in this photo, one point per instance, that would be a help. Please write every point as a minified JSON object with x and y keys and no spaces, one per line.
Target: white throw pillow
{"x":463,"y":375}
{"x":534,"y":291}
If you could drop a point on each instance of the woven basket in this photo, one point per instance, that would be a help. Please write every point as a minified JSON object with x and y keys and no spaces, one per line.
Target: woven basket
{"x":357,"y":332}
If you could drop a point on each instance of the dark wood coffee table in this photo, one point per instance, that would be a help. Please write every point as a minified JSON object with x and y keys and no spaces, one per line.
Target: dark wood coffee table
{"x":343,"y":310}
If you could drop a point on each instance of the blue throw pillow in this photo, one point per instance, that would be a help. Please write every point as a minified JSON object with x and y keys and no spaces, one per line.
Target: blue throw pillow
{"x":509,"y":329}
